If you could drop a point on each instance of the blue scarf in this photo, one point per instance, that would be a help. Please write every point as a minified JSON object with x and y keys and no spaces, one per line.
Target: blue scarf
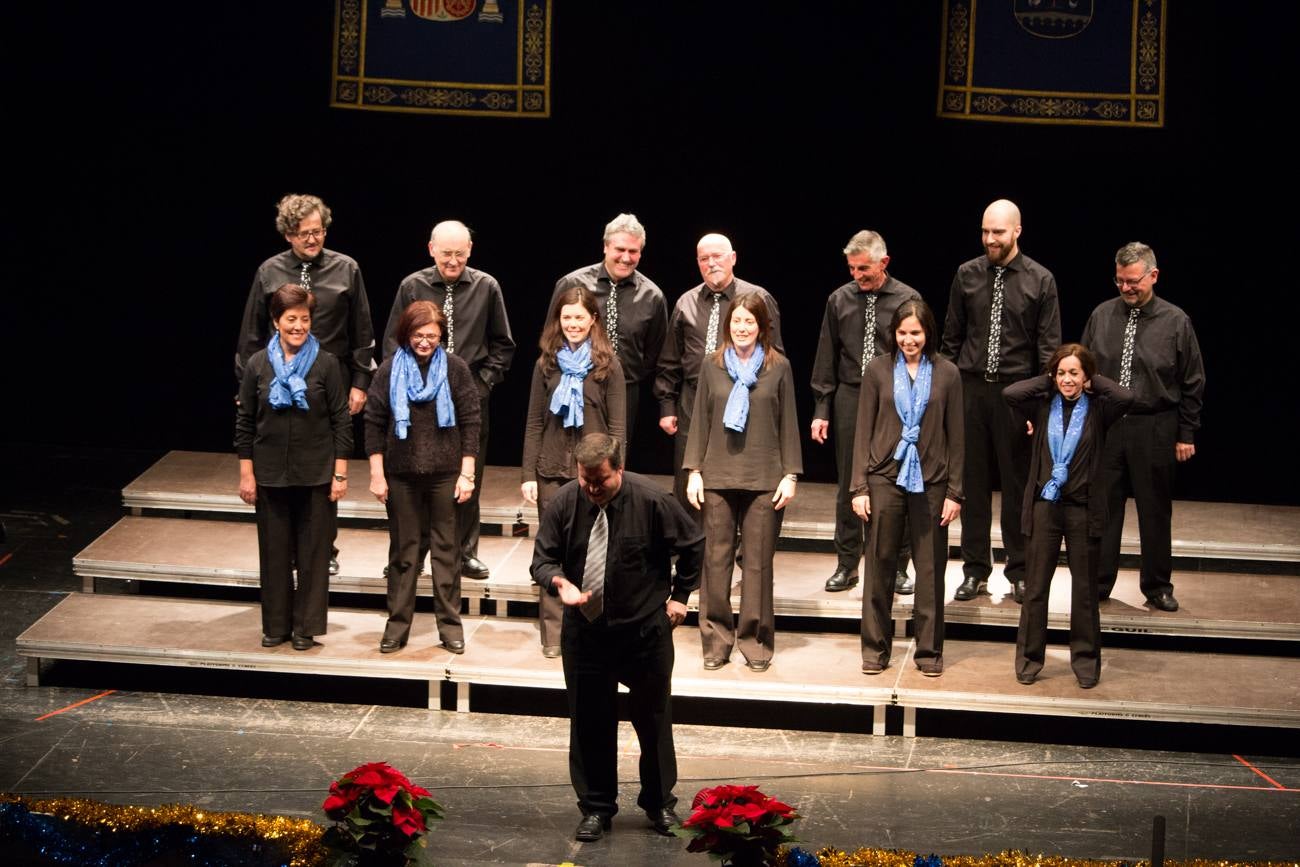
{"x":1063,"y":443}
{"x":566,"y":400}
{"x":910,"y":399}
{"x":289,"y":388}
{"x":743,"y":376}
{"x":405,"y":387}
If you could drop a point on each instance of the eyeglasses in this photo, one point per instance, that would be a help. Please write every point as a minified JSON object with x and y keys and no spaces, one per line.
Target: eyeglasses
{"x":425,"y":338}
{"x":1123,"y":283}
{"x":713,"y":257}
{"x":458,"y":255}
{"x":310,"y":235}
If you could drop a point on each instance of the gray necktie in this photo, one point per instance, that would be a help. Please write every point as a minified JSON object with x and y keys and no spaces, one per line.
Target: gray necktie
{"x":448,"y":308}
{"x":869,"y":331}
{"x":995,"y":322}
{"x":711,"y":335}
{"x":304,"y":276}
{"x":593,"y":576}
{"x":611,"y":315}
{"x":1126,"y":355}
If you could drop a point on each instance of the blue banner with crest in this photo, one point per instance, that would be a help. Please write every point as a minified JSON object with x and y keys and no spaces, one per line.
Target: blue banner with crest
{"x":1094,"y":62}
{"x":468,"y":57}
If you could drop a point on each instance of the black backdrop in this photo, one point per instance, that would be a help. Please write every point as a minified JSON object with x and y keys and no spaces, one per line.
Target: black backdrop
{"x":148,"y":144}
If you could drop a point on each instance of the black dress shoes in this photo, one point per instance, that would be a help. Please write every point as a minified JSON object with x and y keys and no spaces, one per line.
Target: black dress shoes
{"x":713,"y":663}
{"x":1025,"y":679}
{"x":391,"y":645}
{"x":1086,"y":683}
{"x":551,"y":651}
{"x":473,"y":567}
{"x":303,"y":642}
{"x":843,"y":579}
{"x":969,"y":589}
{"x":1018,"y":591}
{"x":904,"y":585}
{"x":454,"y":645}
{"x":274,"y":640}
{"x":334,"y":565}
{"x":663,"y":821}
{"x":1164,"y":600}
{"x":758,"y":664}
{"x":591,"y":828}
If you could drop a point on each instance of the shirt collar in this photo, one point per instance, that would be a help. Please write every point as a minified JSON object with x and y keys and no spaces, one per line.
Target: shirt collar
{"x":443,"y":280}
{"x":728,"y":291}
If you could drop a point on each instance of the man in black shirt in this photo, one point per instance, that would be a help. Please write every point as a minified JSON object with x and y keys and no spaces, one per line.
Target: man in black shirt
{"x":1003,"y":324}
{"x":341,"y":320}
{"x":1147,"y":344}
{"x":855,"y":329}
{"x":633,"y":308}
{"x":479,"y":332}
{"x":696,"y":328}
{"x":604,"y":546}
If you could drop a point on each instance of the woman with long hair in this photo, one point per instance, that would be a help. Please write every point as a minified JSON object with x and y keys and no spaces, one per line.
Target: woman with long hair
{"x":743,"y":460}
{"x":577,"y":389}
{"x":907,"y":465}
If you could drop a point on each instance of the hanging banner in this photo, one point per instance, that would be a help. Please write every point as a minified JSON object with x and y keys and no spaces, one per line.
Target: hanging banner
{"x":1094,"y":62}
{"x":468,"y":57}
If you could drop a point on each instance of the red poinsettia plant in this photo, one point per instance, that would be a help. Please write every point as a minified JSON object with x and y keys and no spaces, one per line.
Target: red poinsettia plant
{"x":379,"y":815}
{"x":737,"y":824}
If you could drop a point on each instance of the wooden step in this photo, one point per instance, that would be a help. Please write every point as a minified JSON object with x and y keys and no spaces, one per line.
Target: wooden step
{"x":808,"y":667}
{"x":207,"y":481}
{"x":225,"y":553}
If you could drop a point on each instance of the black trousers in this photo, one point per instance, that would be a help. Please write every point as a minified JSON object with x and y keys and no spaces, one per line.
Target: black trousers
{"x":850,"y":531}
{"x":468,"y":516}
{"x":890,"y":507}
{"x":685,"y":407}
{"x":423,"y":505}
{"x":633,"y":403}
{"x":991,"y":429}
{"x":597,"y":658}
{"x":550,"y":610}
{"x":755,"y":634}
{"x":294,"y":524}
{"x":1052,"y":522}
{"x":1140,"y":453}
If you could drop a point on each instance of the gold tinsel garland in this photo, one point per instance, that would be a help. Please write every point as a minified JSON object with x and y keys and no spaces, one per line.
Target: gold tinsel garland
{"x":902,"y":858}
{"x":300,"y":837}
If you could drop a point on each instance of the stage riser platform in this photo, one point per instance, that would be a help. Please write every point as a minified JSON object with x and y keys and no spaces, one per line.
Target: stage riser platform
{"x":205,"y":481}
{"x":808,"y":667}
{"x":225,"y":553}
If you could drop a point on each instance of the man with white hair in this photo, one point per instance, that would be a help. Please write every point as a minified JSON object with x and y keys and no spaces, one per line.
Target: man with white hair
{"x":478,"y":331}
{"x":633,"y":309}
{"x":696,"y":329}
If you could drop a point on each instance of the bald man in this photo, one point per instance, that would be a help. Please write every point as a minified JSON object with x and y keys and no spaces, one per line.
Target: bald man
{"x":696,"y":328}
{"x":478,"y":331}
{"x":1003,"y":324}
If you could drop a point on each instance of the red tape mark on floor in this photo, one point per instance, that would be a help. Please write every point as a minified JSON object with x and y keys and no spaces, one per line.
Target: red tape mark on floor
{"x":1258,"y":771}
{"x":75,"y":704}
{"x":5,"y":558}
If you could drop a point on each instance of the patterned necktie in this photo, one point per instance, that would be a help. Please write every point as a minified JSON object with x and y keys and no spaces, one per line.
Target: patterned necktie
{"x":1130,"y":337}
{"x":304,"y":276}
{"x":711,"y":335}
{"x":995,"y":322}
{"x":869,"y":331}
{"x":448,"y":308}
{"x":593,"y":576}
{"x":611,"y":315}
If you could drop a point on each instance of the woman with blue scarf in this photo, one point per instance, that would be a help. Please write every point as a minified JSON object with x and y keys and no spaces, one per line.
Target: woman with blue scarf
{"x":422,"y":428}
{"x":1067,"y":411}
{"x":577,"y":389}
{"x":907,"y":468}
{"x":743,"y":460}
{"x":293,"y":436}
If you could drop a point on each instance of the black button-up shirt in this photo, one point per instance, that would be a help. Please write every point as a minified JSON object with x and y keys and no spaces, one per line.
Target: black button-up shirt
{"x":1031,"y":318}
{"x":341,"y":320}
{"x":1168,"y":371}
{"x":479,"y":321}
{"x":839,"y":348}
{"x":646,"y":528}
{"x":642,"y":316}
{"x":688,"y":328}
